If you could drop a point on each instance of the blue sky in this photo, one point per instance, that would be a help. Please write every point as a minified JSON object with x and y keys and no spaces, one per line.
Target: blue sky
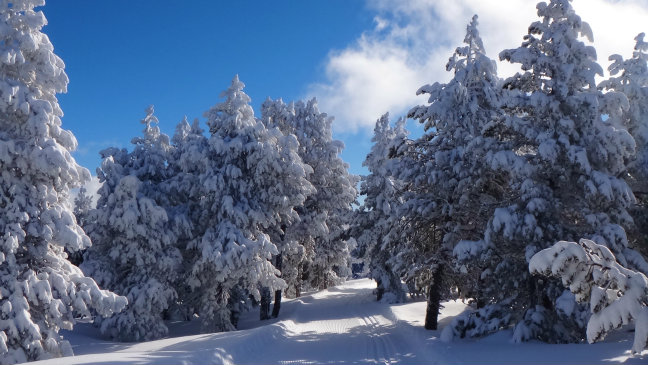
{"x":123,"y":55}
{"x":360,"y":59}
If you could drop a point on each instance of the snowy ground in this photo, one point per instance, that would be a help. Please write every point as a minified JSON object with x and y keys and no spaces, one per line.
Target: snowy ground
{"x":342,"y":325}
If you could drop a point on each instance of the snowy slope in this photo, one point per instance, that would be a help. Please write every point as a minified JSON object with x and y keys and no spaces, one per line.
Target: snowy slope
{"x":342,"y":325}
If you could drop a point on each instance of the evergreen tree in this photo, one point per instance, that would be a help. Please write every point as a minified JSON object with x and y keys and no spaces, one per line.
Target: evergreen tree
{"x":324,"y":215}
{"x":322,"y":230}
{"x":377,"y":216}
{"x":563,"y":166}
{"x":292,"y":253}
{"x":451,"y":192}
{"x":252,"y":183}
{"x":184,"y":194}
{"x":40,"y":290}
{"x":82,"y":206}
{"x":626,"y":101}
{"x":133,"y":252}
{"x":276,"y":114}
{"x":182,"y":188}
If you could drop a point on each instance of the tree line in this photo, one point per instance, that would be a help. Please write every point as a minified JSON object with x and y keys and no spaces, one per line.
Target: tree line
{"x":205,"y":226}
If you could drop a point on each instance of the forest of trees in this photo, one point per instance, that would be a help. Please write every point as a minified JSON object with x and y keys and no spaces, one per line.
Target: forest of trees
{"x":525,"y":197}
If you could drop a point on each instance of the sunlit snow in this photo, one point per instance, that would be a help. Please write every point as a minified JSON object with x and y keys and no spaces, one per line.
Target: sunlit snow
{"x":341,"y":325}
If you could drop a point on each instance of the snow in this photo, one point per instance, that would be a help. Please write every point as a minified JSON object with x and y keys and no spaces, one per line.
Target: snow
{"x":617,"y":295}
{"x":341,"y":325}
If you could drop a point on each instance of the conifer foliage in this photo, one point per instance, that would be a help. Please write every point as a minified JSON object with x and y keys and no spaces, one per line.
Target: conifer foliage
{"x":627,"y":98}
{"x":82,"y":205}
{"x":378,"y":215}
{"x":321,"y":245}
{"x":616,"y":295}
{"x":326,"y":212}
{"x":40,"y":290}
{"x":568,"y":185}
{"x":450,"y":191}
{"x":133,"y":250}
{"x":505,"y":169}
{"x":252,"y":183}
{"x":626,"y":101}
{"x":562,"y":166}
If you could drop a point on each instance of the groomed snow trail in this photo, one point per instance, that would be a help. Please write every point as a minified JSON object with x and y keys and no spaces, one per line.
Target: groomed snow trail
{"x":341,"y":325}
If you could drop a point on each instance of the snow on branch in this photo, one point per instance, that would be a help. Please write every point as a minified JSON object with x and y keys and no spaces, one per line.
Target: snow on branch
{"x":616,"y":295}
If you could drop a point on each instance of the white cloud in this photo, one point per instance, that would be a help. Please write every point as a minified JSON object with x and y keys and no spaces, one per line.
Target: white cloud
{"x":412,"y":40}
{"x":380,"y":23}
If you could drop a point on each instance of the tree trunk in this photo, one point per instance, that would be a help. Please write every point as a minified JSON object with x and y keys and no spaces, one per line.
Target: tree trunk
{"x":434,"y":300}
{"x":265,"y":304}
{"x":539,"y":295}
{"x":380,"y":290}
{"x":277,"y":297}
{"x":299,"y":281}
{"x":481,"y":300}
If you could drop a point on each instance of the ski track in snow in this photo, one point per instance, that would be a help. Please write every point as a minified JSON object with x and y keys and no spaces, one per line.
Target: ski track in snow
{"x":341,"y":325}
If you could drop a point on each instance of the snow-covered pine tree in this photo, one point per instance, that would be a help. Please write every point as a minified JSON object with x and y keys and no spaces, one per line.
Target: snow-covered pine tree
{"x":631,"y":111}
{"x":183,"y":191}
{"x":133,"y":250}
{"x":82,"y":206}
{"x":378,"y":215}
{"x":564,"y":166}
{"x":150,"y":158}
{"x":40,"y":290}
{"x":276,"y":114}
{"x":626,"y":102}
{"x":616,"y":295}
{"x":182,"y":188}
{"x":253,"y":181}
{"x":186,"y":164}
{"x":322,"y":228}
{"x":451,"y":191}
{"x":325,"y":214}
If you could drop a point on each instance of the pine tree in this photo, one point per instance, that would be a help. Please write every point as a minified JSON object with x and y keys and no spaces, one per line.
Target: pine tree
{"x":630,"y":109}
{"x":182,"y":188}
{"x":626,"y":102}
{"x":82,"y":205}
{"x":324,"y":215}
{"x":378,"y":215}
{"x":252,"y":183}
{"x":277,"y":115}
{"x":183,"y":191}
{"x":563,"y":165}
{"x":40,"y":290}
{"x":292,"y":253}
{"x":451,"y":192}
{"x":322,"y":230}
{"x":133,"y":252}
